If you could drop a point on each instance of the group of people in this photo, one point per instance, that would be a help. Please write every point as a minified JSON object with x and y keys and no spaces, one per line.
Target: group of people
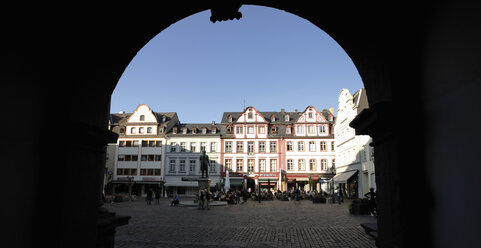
{"x":150,"y":195}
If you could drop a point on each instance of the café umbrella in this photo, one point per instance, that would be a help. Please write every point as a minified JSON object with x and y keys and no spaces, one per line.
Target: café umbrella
{"x":227,"y":182}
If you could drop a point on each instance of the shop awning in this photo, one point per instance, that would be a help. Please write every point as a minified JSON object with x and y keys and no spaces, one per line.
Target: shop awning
{"x":344,"y":176}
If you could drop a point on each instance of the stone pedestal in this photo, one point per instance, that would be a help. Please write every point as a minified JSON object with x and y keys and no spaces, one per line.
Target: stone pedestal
{"x":204,"y":183}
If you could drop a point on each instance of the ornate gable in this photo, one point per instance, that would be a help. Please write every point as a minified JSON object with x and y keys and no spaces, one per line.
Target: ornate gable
{"x":311,"y":114}
{"x":142,"y":114}
{"x":250,"y":114}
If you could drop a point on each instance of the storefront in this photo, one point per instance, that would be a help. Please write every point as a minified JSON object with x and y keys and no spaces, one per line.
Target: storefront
{"x":348,"y":182}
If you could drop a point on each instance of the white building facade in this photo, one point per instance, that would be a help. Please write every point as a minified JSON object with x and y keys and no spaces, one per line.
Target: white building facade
{"x":354,"y":157}
{"x":139,"y":154}
{"x":185,"y":143}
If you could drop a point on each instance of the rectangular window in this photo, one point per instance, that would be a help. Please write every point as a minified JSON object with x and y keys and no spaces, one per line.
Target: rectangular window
{"x":150,"y":157}
{"x":135,"y":158}
{"x":202,"y":146}
{"x":250,"y":130}
{"x":204,"y":130}
{"x":212,"y":166}
{"x":289,"y":146}
{"x":273,"y":165}
{"x":239,"y":130}
{"x":182,"y":146}
{"x":332,"y":146}
{"x":122,"y":143}
{"x":182,"y":165}
{"x":262,"y":129}
{"x":213,"y":146}
{"x":240,"y":147}
{"x":323,"y":146}
{"x":143,"y":158}
{"x":121,"y":157}
{"x":310,"y":115}
{"x":173,"y":147}
{"x":240,"y":165}
{"x":300,"y":146}
{"x":290,"y":165}
{"x":300,"y":130}
{"x":172,"y":165}
{"x":228,"y":146}
{"x":323,"y":164}
{"x":151,"y":143}
{"x":262,"y":146}
{"x":262,"y":165}
{"x":158,"y":157}
{"x":228,"y":164}
{"x":311,"y":129}
{"x":322,"y":129}
{"x":273,"y":147}
{"x":191,"y":165}
{"x":250,"y":147}
{"x":312,"y":164}
{"x":301,"y":165}
{"x":193,"y":146}
{"x":251,"y":164}
{"x":288,"y":130}
{"x":312,"y":146}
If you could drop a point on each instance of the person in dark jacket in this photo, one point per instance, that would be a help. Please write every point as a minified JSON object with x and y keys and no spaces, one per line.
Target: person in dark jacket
{"x":371,"y":195}
{"x":149,"y":196}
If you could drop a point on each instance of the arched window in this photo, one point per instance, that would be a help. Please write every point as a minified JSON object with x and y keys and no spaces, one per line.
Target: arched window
{"x":149,"y":130}
{"x":142,"y":118}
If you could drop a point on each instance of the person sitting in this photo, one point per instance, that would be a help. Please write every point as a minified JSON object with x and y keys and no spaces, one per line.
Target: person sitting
{"x":175,"y":201}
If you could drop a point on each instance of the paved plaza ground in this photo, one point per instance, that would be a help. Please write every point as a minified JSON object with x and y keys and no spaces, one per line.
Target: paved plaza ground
{"x":268,"y":224}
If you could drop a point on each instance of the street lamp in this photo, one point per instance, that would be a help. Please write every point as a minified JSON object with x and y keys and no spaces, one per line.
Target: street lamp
{"x":333,"y":173}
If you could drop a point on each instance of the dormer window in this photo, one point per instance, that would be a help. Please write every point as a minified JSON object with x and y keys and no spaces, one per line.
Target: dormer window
{"x":142,"y":118}
{"x":204,"y":130}
{"x":288,"y":130}
{"x":229,"y":129}
{"x":230,"y":118}
{"x":164,"y":118}
{"x":184,"y":130}
{"x":273,"y":129}
{"x":286,"y":118}
{"x":273,"y":118}
{"x":174,"y":130}
{"x":194,"y":130}
{"x":214,"y":130}
{"x":161,"y":130}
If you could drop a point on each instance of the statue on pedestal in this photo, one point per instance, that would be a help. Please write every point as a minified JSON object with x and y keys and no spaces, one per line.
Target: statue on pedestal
{"x":204,"y":164}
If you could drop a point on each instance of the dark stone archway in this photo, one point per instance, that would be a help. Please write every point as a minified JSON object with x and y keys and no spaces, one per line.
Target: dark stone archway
{"x":420,"y":66}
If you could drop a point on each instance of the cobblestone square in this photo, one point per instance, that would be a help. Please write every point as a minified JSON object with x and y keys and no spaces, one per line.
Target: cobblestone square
{"x":268,"y":224}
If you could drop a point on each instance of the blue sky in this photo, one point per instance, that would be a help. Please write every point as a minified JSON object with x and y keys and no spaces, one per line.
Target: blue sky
{"x":270,"y":58}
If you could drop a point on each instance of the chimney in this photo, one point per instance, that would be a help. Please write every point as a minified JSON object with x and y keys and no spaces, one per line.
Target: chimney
{"x":283,"y":110}
{"x":213,"y":122}
{"x":295,"y":110}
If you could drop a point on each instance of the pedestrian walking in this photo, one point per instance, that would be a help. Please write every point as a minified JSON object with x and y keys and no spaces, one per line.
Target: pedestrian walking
{"x":371,"y":195}
{"x":157,"y":197}
{"x":149,"y":196}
